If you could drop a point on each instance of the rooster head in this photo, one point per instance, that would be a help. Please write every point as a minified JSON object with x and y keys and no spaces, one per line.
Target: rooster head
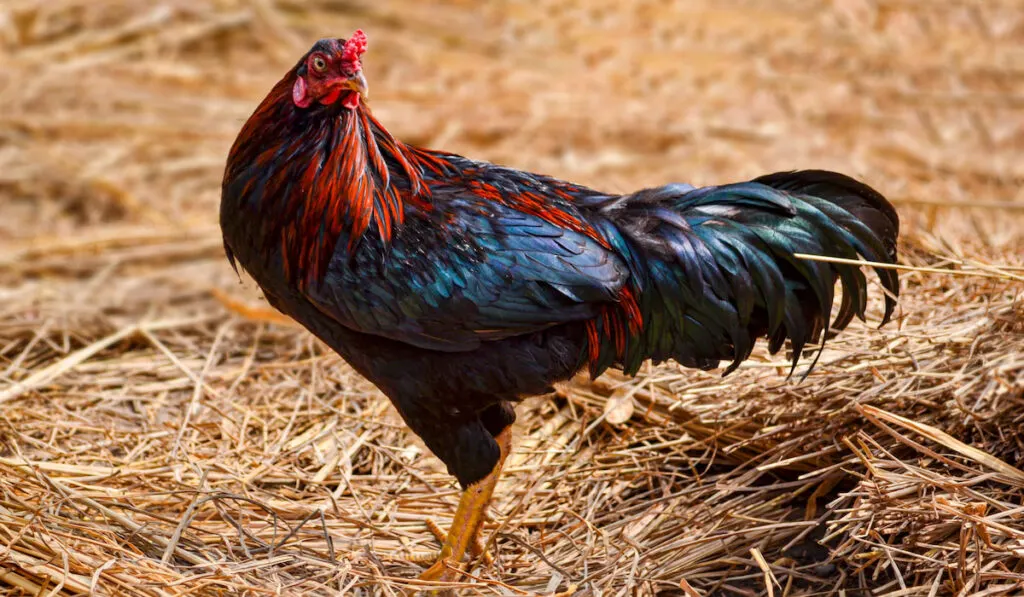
{"x":332,"y":73}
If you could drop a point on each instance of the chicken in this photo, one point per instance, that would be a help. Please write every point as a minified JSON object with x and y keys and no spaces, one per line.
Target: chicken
{"x":459,"y":287}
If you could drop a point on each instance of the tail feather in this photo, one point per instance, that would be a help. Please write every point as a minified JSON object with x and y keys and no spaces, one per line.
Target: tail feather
{"x":863,"y":202}
{"x":717,"y":266}
{"x":862,"y":208}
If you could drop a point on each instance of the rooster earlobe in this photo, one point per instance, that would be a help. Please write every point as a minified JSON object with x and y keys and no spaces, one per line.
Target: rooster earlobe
{"x":300,"y":95}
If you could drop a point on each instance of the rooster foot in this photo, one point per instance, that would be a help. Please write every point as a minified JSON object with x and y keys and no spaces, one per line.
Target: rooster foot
{"x":444,"y":570}
{"x":477,"y":549}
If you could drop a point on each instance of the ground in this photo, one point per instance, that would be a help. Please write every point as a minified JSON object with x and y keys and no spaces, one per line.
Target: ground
{"x":156,"y":443}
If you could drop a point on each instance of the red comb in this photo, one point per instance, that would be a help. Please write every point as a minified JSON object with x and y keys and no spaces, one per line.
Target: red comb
{"x":355,"y":46}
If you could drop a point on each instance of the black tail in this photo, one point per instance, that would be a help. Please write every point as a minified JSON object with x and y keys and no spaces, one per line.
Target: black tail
{"x":865,"y":203}
{"x":717,"y":267}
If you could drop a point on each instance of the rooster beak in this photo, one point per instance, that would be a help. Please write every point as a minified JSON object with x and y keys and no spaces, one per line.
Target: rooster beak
{"x":357,"y":83}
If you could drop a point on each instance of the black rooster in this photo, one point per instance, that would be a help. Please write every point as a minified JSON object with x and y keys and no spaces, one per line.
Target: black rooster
{"x":459,"y":287}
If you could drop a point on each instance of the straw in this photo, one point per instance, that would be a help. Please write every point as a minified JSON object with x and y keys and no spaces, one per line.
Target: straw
{"x":162,"y":436}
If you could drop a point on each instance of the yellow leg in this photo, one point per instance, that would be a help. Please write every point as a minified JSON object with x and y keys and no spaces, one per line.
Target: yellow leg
{"x":476,"y":550}
{"x":468,"y":518}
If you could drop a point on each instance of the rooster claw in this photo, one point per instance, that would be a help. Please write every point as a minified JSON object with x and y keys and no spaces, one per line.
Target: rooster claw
{"x":477,"y":549}
{"x":444,"y":570}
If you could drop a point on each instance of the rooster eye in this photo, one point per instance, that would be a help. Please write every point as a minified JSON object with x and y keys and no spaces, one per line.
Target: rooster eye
{"x":319,"y":64}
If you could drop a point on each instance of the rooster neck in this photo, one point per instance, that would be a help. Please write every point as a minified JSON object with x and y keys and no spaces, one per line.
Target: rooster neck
{"x":354,"y":178}
{"x":324,"y":179}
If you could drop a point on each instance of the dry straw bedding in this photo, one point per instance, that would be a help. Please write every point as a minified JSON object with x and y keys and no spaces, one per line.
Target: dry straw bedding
{"x":155,"y":443}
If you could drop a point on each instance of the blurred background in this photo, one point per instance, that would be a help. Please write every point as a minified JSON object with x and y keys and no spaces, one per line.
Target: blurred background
{"x":120,"y":113}
{"x":116,"y":359}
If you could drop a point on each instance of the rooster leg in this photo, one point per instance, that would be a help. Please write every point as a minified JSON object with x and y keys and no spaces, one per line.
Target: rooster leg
{"x":468,"y":518}
{"x":476,"y":550}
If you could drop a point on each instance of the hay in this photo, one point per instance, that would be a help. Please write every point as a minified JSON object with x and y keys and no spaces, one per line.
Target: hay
{"x":153,"y":443}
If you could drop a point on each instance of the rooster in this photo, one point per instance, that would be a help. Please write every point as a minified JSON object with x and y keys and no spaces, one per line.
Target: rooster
{"x":459,"y":287}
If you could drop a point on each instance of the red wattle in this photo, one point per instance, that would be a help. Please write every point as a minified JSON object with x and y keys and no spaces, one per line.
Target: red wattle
{"x":331,"y":97}
{"x":351,"y":101}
